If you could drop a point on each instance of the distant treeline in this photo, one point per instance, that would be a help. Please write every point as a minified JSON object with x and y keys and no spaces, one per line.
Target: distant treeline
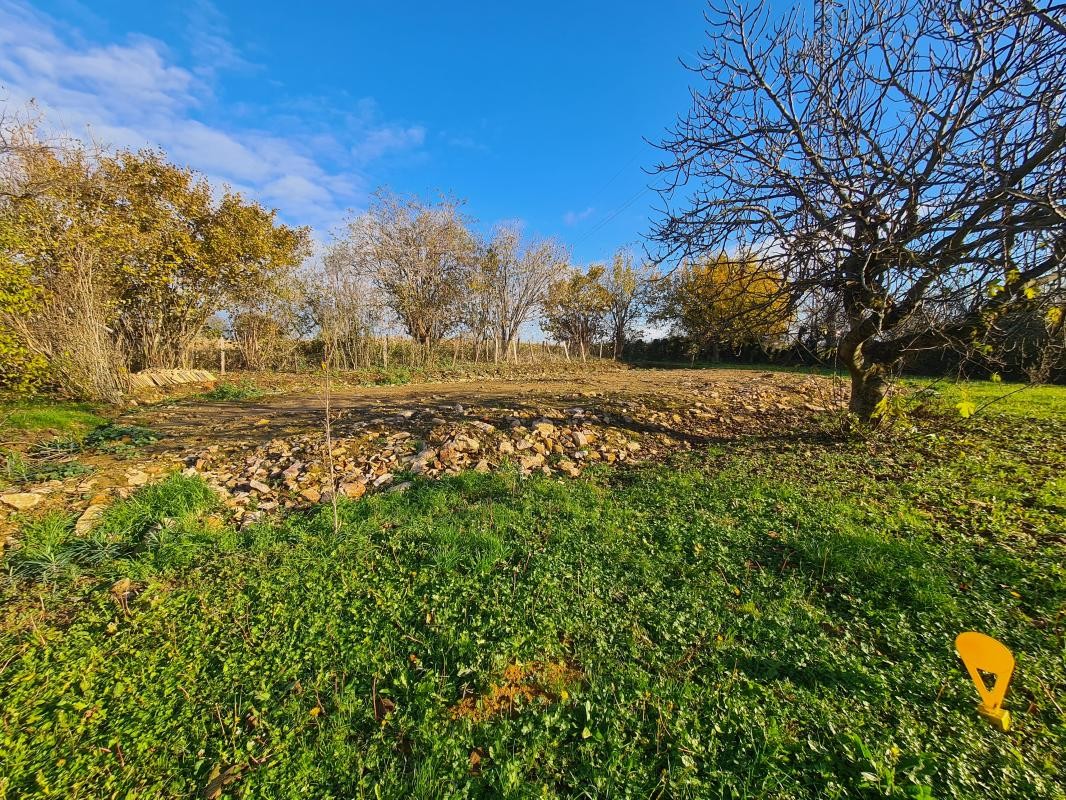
{"x":678,"y":350}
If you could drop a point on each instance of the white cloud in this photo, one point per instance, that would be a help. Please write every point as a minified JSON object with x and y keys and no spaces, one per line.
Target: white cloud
{"x":208,"y":37}
{"x":382,"y":141}
{"x":297,"y":189}
{"x":574,"y":217}
{"x":135,"y":94}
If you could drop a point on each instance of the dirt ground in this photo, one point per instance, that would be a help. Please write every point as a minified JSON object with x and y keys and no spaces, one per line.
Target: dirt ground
{"x":270,"y":453}
{"x":743,"y":397}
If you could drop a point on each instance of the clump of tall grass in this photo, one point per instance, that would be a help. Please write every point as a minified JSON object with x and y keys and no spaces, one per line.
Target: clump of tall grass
{"x":160,"y":518}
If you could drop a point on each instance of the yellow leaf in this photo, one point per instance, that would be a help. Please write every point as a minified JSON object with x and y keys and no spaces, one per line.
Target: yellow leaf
{"x":966,"y":408}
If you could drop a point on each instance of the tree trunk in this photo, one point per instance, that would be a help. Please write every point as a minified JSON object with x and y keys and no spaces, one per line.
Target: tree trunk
{"x":869,"y":378}
{"x":869,"y":387}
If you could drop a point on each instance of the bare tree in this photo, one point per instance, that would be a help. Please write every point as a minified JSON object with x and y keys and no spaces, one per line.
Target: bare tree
{"x":906,"y":156}
{"x":345,"y":306}
{"x":418,"y":255}
{"x":478,"y":303}
{"x":517,"y":279}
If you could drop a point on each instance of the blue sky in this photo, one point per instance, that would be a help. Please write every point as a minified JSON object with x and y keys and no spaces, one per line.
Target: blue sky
{"x":533,"y":112}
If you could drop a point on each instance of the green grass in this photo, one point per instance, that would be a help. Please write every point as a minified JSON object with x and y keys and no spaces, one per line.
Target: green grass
{"x":158,"y":525}
{"x":994,"y":398}
{"x":44,"y":414}
{"x":752,"y":621}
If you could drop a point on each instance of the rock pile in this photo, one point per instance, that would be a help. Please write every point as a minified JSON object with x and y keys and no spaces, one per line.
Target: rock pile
{"x":375,"y":455}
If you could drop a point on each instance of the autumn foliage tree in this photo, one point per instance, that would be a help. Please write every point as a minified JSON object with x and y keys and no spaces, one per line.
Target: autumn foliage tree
{"x":65,"y":239}
{"x":130,"y":255}
{"x":575,"y":308}
{"x":627,"y":287}
{"x":725,"y":301}
{"x":20,"y":367}
{"x":188,"y":256}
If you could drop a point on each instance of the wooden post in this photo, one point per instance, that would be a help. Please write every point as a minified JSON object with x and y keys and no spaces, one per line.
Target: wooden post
{"x":222,"y":355}
{"x":532,"y":358}
{"x":566,"y":350}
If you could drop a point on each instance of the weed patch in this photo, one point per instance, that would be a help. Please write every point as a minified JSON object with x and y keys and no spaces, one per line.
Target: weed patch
{"x":233,"y":392}
{"x":119,"y":439}
{"x":157,"y":528}
{"x":520,"y":685}
{"x":19,"y":468}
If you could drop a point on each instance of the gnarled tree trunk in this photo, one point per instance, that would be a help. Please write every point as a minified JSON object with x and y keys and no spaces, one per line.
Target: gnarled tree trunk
{"x":869,"y":379}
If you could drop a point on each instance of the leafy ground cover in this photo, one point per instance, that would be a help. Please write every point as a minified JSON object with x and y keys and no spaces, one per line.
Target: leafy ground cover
{"x":58,"y":457}
{"x":995,"y":398}
{"x":768,"y":618}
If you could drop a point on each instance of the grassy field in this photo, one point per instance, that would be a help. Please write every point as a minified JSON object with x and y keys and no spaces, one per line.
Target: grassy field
{"x":769,"y":619}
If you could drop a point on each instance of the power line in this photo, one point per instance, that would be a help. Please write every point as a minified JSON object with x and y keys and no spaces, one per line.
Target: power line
{"x":612,"y":216}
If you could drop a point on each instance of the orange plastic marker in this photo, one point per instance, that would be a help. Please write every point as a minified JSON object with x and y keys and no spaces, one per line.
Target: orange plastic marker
{"x":981,"y":652}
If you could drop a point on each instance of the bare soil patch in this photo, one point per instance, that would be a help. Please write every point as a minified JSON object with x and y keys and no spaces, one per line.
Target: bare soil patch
{"x":270,"y":453}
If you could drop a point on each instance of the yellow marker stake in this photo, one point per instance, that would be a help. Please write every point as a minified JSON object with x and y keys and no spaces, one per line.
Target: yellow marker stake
{"x":981,"y":652}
